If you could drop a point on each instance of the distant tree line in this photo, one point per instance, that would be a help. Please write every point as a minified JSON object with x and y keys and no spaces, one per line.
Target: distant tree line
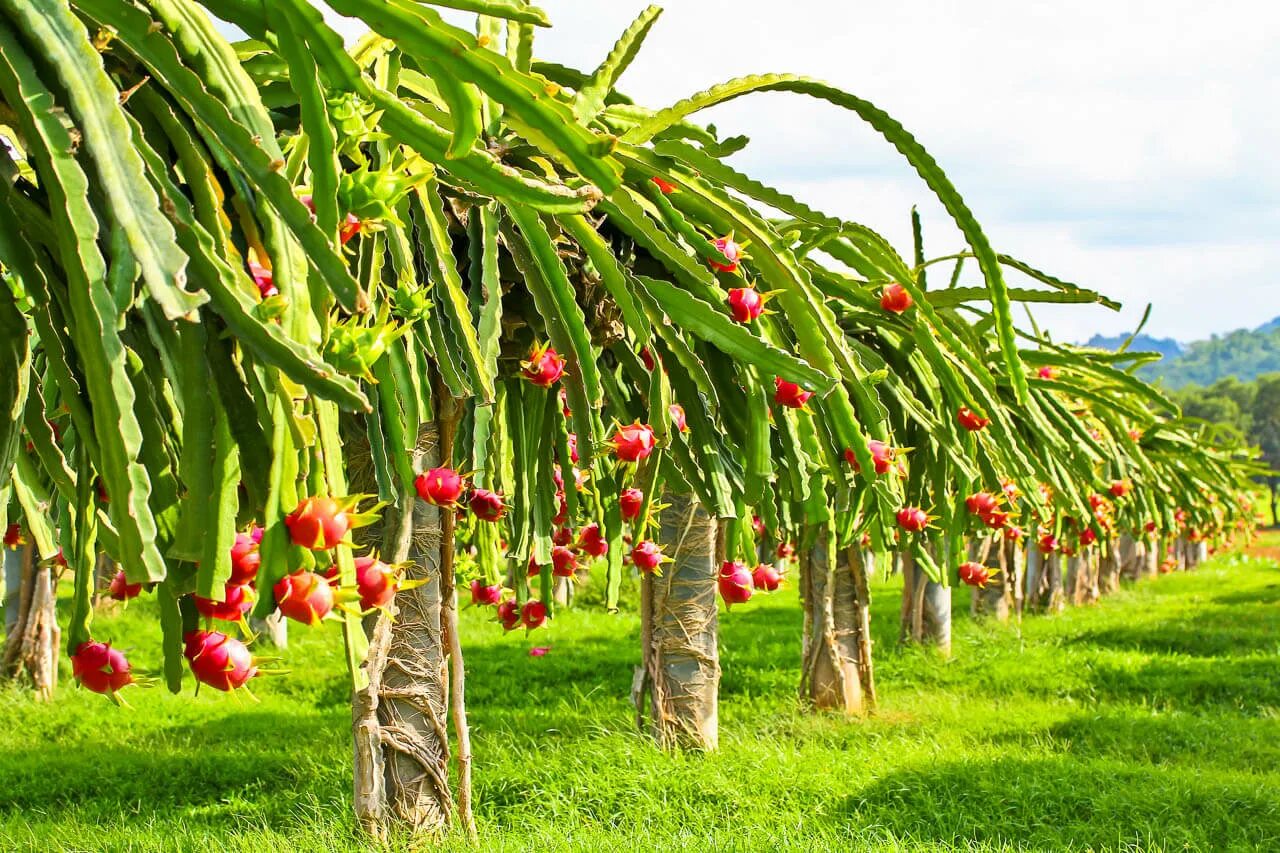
{"x":1245,"y":353}
{"x":1249,"y":409}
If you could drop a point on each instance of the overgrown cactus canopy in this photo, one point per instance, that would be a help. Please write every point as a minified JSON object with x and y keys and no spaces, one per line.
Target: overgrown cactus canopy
{"x":241,"y":277}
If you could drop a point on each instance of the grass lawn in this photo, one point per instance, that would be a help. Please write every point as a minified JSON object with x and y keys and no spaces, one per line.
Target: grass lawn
{"x":1148,"y":722}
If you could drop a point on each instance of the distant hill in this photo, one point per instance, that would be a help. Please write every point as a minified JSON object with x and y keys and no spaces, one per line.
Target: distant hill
{"x":1167,"y":347}
{"x":1244,"y":354}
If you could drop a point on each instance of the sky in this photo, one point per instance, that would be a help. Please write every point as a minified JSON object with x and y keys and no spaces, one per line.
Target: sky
{"x":1128,"y":146}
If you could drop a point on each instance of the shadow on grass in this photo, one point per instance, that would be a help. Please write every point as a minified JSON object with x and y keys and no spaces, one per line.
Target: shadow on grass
{"x":1214,"y":631}
{"x":242,"y":755}
{"x":1044,"y":803}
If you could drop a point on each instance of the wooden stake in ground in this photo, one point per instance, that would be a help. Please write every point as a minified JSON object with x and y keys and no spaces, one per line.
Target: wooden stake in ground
{"x":836,"y":672}
{"x":400,"y":718}
{"x":926,"y":606}
{"x":680,"y":673}
{"x":31,"y":647}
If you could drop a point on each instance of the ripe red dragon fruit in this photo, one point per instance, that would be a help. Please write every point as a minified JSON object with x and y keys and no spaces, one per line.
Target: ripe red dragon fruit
{"x":789,"y":394}
{"x":913,"y":519}
{"x":1048,"y":543}
{"x":995,"y":519}
{"x":633,"y":442}
{"x":222,"y":662}
{"x":757,"y":524}
{"x":508,"y":612}
{"x":13,"y":537}
{"x":1120,"y":488}
{"x":731,"y":250}
{"x":785,"y":551}
{"x":317,"y":523}
{"x":263,"y":279}
{"x":237,"y":600}
{"x":440,"y":486}
{"x":375,"y":581}
{"x":245,"y":559}
{"x":664,"y":186}
{"x":487,"y":505}
{"x":592,"y":541}
{"x":647,"y":557}
{"x":735,"y":582}
{"x":483,"y":595}
{"x":882,"y":456}
{"x":1087,"y":537}
{"x":974,"y":574}
{"x":1010,"y":489}
{"x":981,"y":503}
{"x":766,"y":577}
{"x":544,"y":367}
{"x":1014,"y":534}
{"x":1047,"y":372}
{"x":533,"y":614}
{"x":678,"y":419}
{"x":562,"y":514}
{"x":561,"y":536}
{"x":564,"y":563}
{"x":573,"y":446}
{"x":1150,"y":527}
{"x":895,"y":299}
{"x":304,"y":596}
{"x":971,"y":421}
{"x":100,"y":668}
{"x":745,"y":304}
{"x":120,"y":588}
{"x":630,"y":502}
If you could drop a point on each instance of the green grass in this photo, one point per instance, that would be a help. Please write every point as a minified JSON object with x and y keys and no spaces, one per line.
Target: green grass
{"x":1149,"y":722}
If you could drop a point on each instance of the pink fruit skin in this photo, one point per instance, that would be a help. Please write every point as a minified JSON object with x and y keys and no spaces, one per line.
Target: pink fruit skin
{"x":735,"y":582}
{"x":317,"y":523}
{"x":100,"y":668}
{"x":222,"y":662}
{"x":304,"y":596}
{"x":122,"y":590}
{"x":533,"y":614}
{"x":766,"y":577}
{"x":483,"y":596}
{"x":237,"y":600}
{"x":439,"y":486}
